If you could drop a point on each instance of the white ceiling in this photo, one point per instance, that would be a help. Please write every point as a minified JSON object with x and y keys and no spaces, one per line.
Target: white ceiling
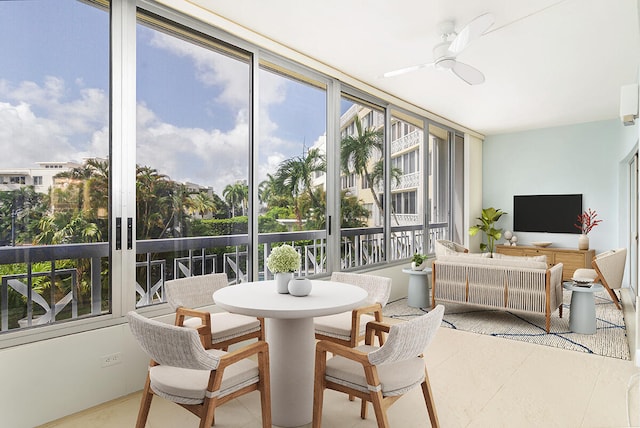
{"x":546,"y":62}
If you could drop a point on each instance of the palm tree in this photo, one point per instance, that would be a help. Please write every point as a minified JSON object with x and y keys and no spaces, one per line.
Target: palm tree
{"x":266,"y":189}
{"x":91,"y":182}
{"x":67,"y":228}
{"x":174,"y":206}
{"x":153,"y":202}
{"x":357,"y":154}
{"x":295,"y":176}
{"x":236,"y":194}
{"x":271,"y":194}
{"x":202,"y":203}
{"x":98,"y":186}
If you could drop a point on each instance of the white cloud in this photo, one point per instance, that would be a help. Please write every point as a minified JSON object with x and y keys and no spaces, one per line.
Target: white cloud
{"x":215,"y":69}
{"x":221,"y":71}
{"x":57,"y":120}
{"x":206,"y":157}
{"x":38,"y":123}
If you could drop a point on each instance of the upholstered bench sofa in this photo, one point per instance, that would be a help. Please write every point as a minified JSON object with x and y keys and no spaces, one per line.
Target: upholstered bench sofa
{"x":519,"y":284}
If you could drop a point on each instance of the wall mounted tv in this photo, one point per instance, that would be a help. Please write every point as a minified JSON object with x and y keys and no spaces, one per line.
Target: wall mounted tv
{"x":546,"y":213}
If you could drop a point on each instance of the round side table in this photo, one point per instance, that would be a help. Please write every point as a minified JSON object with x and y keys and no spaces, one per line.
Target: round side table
{"x":582,"y":318}
{"x":419,"y":287}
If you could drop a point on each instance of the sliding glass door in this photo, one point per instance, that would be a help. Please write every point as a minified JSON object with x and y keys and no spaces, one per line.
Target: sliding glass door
{"x":362,"y":182}
{"x":192,"y":157}
{"x":141,"y":145}
{"x":291,"y":167}
{"x":55,"y":166}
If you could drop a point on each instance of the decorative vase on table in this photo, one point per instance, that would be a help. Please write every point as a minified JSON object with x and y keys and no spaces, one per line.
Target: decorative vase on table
{"x":283,"y":261}
{"x":282,"y":281}
{"x":583,"y":242}
{"x":421,"y":266}
{"x":299,"y":286}
{"x":586,"y":221}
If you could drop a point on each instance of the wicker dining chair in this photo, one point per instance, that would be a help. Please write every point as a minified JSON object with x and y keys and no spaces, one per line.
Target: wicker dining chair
{"x":185,"y":294}
{"x":380,"y":375}
{"x":348,"y":328}
{"x":183,"y":371}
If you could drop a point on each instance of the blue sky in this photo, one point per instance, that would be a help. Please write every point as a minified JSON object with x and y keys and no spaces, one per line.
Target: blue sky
{"x":192,"y":102}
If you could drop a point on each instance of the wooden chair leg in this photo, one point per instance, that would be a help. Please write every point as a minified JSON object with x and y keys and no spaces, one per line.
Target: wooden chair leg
{"x":318,"y":388}
{"x":208,"y":413}
{"x":318,"y":399}
{"x":613,"y":295}
{"x":145,"y":404}
{"x":548,"y":322}
{"x":363,"y":409}
{"x":378,"y":409}
{"x":265,"y":389}
{"x":428,"y":399}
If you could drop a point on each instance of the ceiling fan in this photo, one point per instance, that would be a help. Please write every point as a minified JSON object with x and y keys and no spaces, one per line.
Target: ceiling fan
{"x":445,"y":52}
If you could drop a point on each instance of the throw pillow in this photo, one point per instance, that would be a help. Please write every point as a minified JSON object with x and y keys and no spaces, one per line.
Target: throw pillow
{"x":542,"y":258}
{"x":445,"y":248}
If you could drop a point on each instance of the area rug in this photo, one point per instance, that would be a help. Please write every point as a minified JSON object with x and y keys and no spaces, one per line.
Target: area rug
{"x":610,"y":339}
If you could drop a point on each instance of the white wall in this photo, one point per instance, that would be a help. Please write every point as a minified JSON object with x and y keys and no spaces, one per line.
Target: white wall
{"x":473,"y":189}
{"x":586,"y":158}
{"x":53,"y":378}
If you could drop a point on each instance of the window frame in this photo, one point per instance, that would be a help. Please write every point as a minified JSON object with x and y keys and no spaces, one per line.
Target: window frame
{"x":123,"y":16}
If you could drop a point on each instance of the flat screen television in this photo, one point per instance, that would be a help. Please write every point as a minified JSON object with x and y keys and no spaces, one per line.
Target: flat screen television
{"x":546,"y":213}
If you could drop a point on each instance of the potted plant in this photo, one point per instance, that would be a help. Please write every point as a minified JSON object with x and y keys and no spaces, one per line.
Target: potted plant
{"x":586,"y":221}
{"x":487,"y":221}
{"x":283,"y":262}
{"x":419,"y":261}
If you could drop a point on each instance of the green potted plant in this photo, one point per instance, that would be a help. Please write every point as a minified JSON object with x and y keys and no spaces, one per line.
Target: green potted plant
{"x":419,"y":261}
{"x":283,"y":261}
{"x":487,"y":221}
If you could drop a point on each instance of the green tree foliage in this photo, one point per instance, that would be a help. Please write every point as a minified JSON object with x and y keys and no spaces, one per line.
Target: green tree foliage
{"x":20,"y":211}
{"x":219,"y":227}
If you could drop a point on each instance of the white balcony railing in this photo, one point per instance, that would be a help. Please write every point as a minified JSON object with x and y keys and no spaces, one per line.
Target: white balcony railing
{"x":25,"y":302}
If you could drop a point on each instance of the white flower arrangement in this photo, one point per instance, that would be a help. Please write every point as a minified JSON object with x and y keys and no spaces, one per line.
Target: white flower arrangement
{"x":284,"y":258}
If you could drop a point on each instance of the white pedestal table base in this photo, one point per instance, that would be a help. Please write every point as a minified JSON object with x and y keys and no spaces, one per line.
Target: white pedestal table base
{"x":291,"y":359}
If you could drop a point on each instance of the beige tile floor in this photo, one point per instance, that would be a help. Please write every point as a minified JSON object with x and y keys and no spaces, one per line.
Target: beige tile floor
{"x":478,"y":381}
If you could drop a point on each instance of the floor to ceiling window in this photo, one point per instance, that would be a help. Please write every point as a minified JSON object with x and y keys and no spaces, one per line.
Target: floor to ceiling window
{"x":446,"y":185}
{"x":362,"y":172}
{"x":192,"y":157}
{"x":458,"y":231}
{"x":177,"y":159}
{"x":407,"y":185}
{"x":292,"y":167}
{"x":54,"y":168}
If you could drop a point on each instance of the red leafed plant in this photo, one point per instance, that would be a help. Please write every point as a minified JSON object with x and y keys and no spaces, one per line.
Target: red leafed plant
{"x":587,"y":221}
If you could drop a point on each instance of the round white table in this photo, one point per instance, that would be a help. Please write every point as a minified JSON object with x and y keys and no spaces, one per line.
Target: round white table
{"x":291,"y":337}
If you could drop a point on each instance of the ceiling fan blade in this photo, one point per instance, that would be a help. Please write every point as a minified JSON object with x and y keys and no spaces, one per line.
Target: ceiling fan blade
{"x":406,"y":70}
{"x":470,"y":32}
{"x":469,"y":74}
